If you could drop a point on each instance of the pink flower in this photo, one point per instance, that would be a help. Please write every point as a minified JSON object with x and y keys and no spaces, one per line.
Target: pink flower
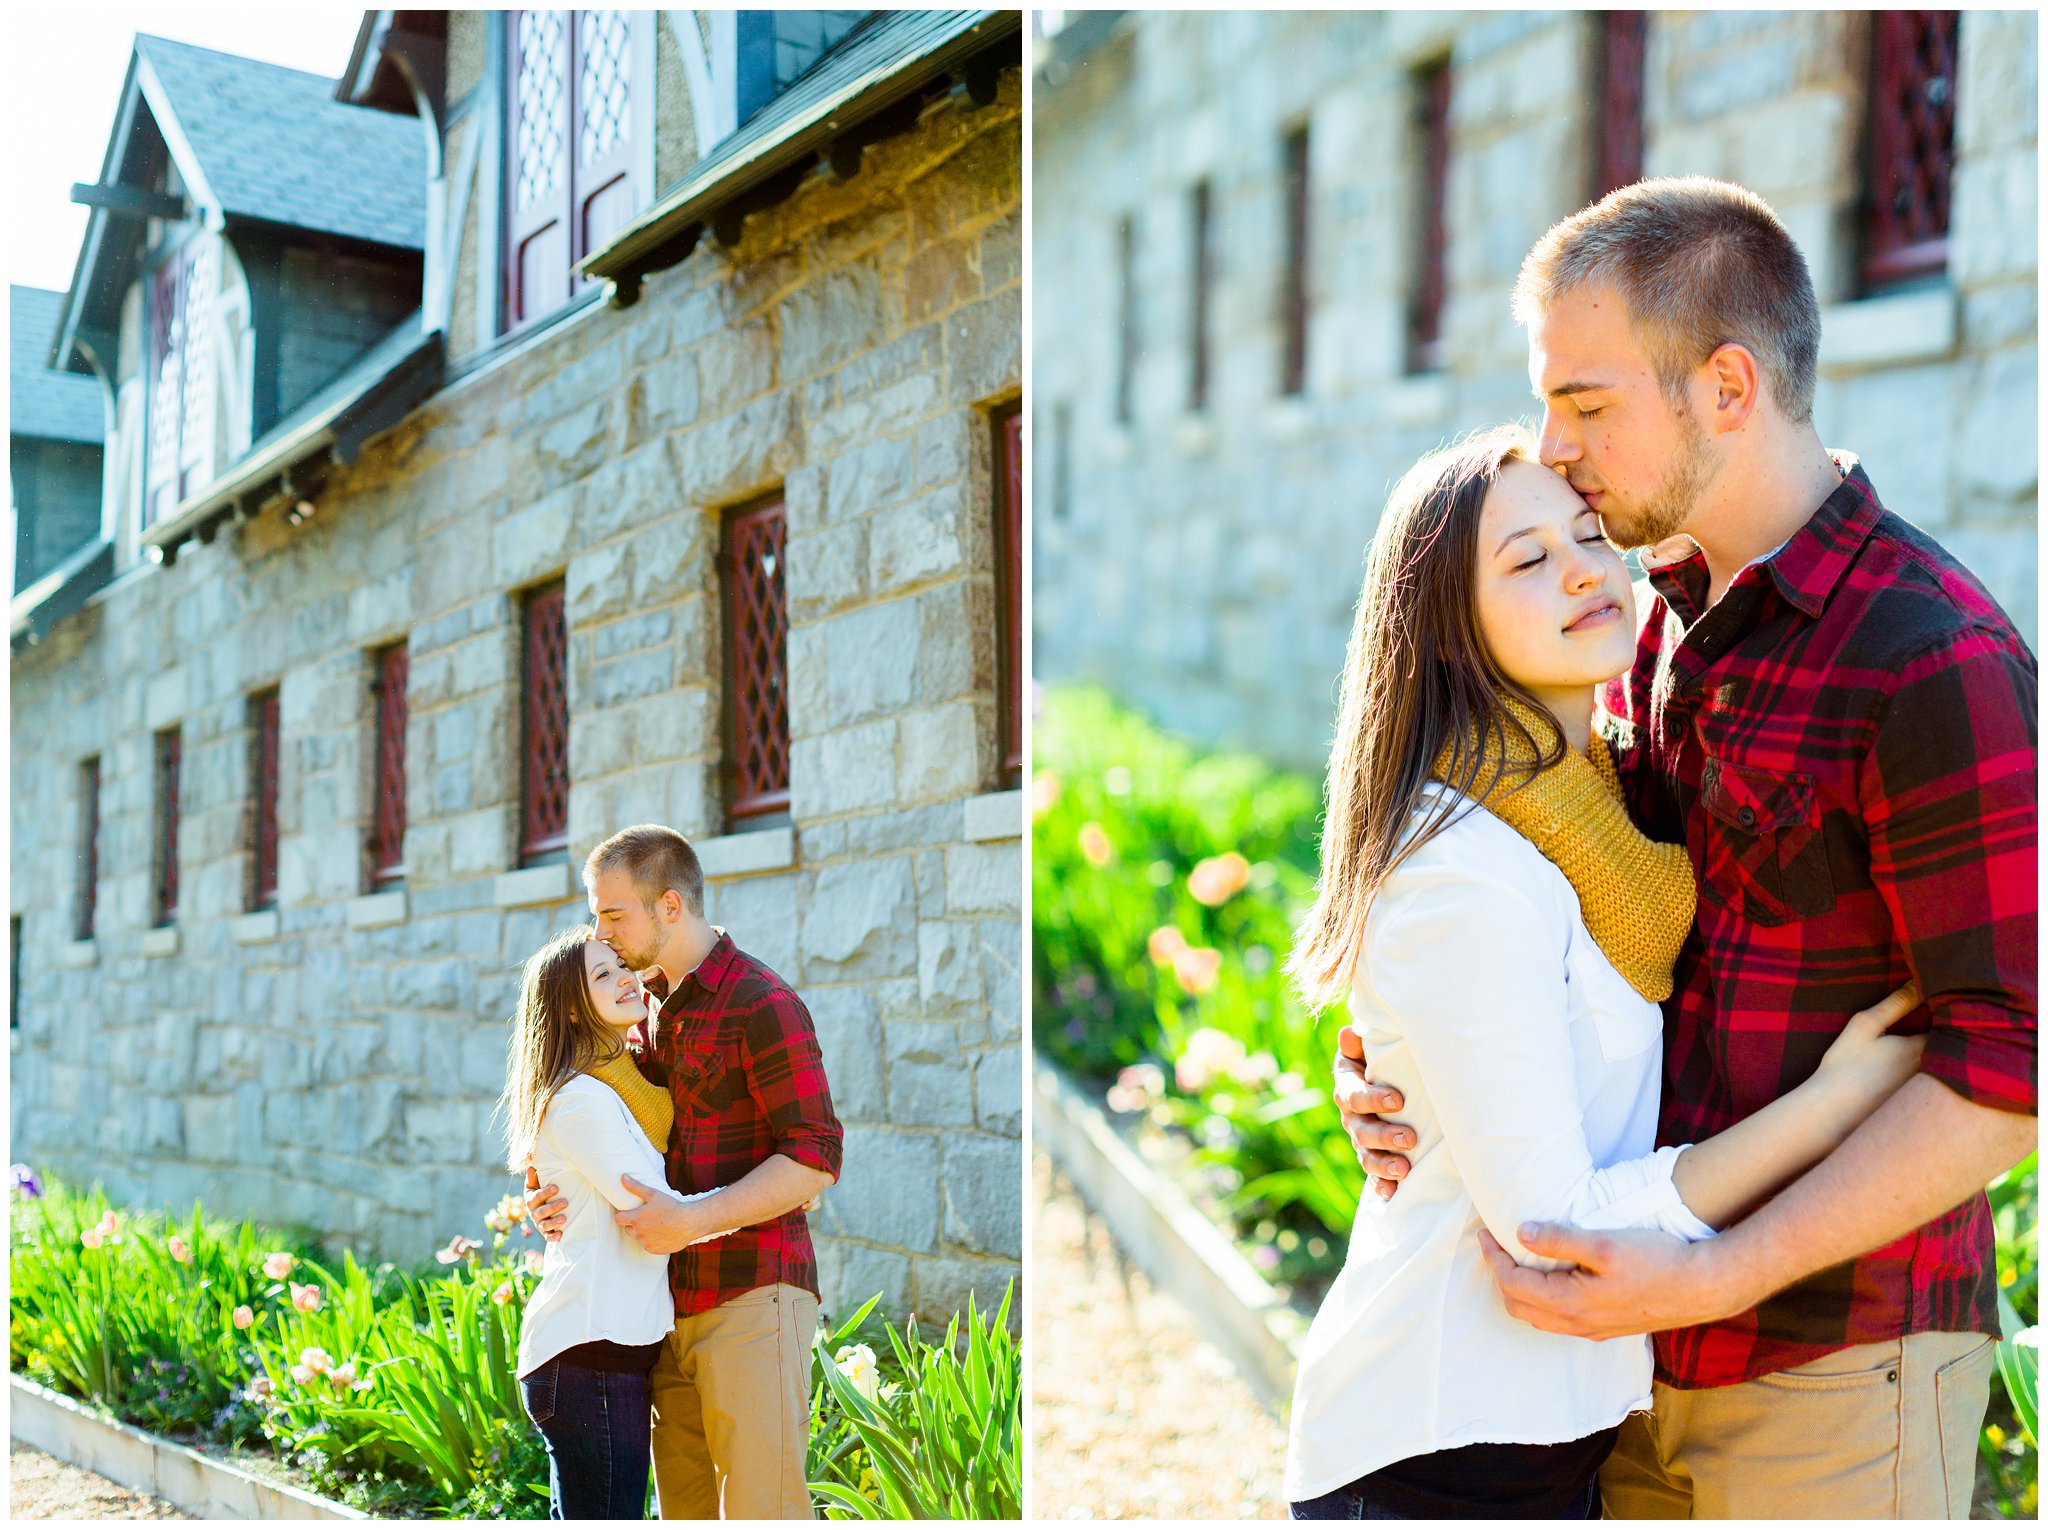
{"x":278,"y":1265}
{"x":534,"y":1260}
{"x":92,"y":1237}
{"x":1045,"y":791}
{"x":305,"y":1298}
{"x":1219,"y":878}
{"x":110,"y":1223}
{"x":1165,"y":944}
{"x":344,"y":1378}
{"x":179,"y":1250}
{"x":244,"y":1318}
{"x":1095,"y":845}
{"x":503,"y":1294}
{"x":316,"y":1360}
{"x":1196,"y":968}
{"x":261,"y":1388}
{"x":458,"y":1247}
{"x":303,"y":1375}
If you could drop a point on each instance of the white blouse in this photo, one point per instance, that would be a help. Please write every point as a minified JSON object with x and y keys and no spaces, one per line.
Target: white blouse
{"x":1529,"y":1070}
{"x":595,"y":1282}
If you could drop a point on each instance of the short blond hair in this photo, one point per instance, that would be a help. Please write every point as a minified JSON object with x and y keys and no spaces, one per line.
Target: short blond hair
{"x":656,"y":858}
{"x":1701,"y":264}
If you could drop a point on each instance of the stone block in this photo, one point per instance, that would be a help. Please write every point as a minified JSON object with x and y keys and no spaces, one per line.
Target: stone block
{"x":843,"y":772}
{"x":850,"y":1273}
{"x":871,"y":659}
{"x":2000,"y":427}
{"x":735,"y":365}
{"x":665,"y":397}
{"x":916,"y":543}
{"x":534,"y":541}
{"x":598,"y":584}
{"x":673,"y":559}
{"x":891,"y":411}
{"x":631,"y":678}
{"x":945,"y":448}
{"x":956,"y":640}
{"x":761,"y":914}
{"x":984,"y":357}
{"x":1002,"y":944}
{"x":984,"y":878}
{"x":850,"y":1037}
{"x":940,"y":753}
{"x":928,"y":1088}
{"x":940,"y":1288}
{"x":888,"y":1190}
{"x":440,"y":1131}
{"x":742,"y":453}
{"x":631,"y":490}
{"x":858,"y":922}
{"x":948,"y":966}
{"x":827,"y":572}
{"x":829,"y":320}
{"x":573,"y":445}
{"x":984,"y":1193}
{"x":999,"y":1092}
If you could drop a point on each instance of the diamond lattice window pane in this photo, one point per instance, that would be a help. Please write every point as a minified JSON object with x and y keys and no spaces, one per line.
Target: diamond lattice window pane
{"x":603,"y":83}
{"x":543,"y":48}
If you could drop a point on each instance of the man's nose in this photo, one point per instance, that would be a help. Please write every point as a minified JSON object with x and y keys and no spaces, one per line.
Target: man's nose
{"x":1556,"y":446}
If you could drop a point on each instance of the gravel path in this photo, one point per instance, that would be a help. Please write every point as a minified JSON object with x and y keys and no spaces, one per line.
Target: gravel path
{"x":42,"y":1487}
{"x":1134,"y":1415}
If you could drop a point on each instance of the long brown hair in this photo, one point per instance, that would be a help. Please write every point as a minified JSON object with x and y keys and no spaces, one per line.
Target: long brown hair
{"x":1418,"y":680}
{"x":557,"y":1033}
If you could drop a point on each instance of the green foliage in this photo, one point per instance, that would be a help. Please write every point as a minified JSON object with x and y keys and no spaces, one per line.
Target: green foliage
{"x":394,"y":1391}
{"x":932,"y":1432}
{"x":1124,"y":817}
{"x":2010,"y":1443}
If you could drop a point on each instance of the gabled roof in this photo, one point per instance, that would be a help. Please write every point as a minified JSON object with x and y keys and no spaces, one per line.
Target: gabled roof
{"x":273,"y":144}
{"x":42,"y":402}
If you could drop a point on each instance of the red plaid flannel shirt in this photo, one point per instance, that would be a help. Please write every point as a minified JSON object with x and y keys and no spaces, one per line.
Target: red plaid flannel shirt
{"x":740,"y":1057}
{"x":1846,"y":745}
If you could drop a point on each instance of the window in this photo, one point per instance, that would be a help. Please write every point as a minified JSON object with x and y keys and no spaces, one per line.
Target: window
{"x":579,"y":108}
{"x":1911,"y":138}
{"x":88,"y":849}
{"x":1062,"y":460}
{"x":180,"y":457}
{"x":165,"y":896}
{"x":757,"y":663}
{"x":1009,"y":503}
{"x":1126,"y":318}
{"x":1294,"y":274}
{"x":1433,"y":132}
{"x":544,"y":792}
{"x":14,"y":973}
{"x":387,"y":817}
{"x":1201,"y":264}
{"x":263,"y":744}
{"x":1623,"y":43}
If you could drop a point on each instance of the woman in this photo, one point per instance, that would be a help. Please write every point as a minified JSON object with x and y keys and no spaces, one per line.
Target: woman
{"x":578,"y":1112}
{"x":1505,"y":934}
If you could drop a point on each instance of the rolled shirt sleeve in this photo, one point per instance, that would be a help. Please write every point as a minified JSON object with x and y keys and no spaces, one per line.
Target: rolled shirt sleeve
{"x":1948,"y":791}
{"x":785,"y":1072}
{"x":1490,"y":1035}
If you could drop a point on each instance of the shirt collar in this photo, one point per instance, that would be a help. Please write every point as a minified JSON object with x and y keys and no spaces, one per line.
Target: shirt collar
{"x":1810,"y":563}
{"x":706,"y":976}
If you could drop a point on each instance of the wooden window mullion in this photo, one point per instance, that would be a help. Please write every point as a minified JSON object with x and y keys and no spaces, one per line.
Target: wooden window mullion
{"x":1425,"y":337}
{"x":1624,"y":37}
{"x":387,"y":836}
{"x":1911,"y":144}
{"x":1294,"y":290}
{"x":168,"y":750}
{"x":1201,"y":276}
{"x":263,"y":709}
{"x":1009,"y":443}
{"x":89,"y":850}
{"x":1126,"y":321}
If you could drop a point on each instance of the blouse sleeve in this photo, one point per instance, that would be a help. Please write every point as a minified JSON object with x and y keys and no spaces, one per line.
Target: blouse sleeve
{"x":1469,"y":965}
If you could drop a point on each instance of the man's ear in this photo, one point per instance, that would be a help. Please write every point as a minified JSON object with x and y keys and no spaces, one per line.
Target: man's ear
{"x":671,"y":905}
{"x":1737,"y":383}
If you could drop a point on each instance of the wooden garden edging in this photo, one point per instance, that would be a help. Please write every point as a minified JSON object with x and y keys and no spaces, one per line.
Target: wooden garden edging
{"x":208,"y":1489}
{"x":1181,"y":1251}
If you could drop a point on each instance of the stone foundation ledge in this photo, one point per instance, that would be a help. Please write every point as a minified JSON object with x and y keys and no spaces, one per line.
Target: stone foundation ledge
{"x":209,"y":1489}
{"x":1181,"y":1251}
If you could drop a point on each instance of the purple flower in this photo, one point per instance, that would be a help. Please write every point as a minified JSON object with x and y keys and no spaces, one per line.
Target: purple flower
{"x":26,"y":1186}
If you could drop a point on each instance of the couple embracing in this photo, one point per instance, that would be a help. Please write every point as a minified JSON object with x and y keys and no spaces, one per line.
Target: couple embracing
{"x":1691,"y":964}
{"x":671,"y":1092}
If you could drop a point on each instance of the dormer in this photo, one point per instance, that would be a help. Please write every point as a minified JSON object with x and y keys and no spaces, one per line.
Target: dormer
{"x":248,"y":288}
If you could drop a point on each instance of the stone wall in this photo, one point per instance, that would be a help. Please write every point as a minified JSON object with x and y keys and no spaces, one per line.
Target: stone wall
{"x":334,"y":1061}
{"x":1204,"y":565}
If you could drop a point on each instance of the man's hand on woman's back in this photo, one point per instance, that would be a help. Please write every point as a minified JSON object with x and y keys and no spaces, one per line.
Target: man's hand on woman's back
{"x":1362,"y":1103}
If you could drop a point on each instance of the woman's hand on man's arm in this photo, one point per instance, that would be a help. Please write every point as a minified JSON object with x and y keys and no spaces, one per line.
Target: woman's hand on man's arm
{"x":1363,"y":1104}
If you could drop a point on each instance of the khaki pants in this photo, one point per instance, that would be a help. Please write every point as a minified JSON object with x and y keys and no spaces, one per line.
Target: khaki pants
{"x":1877,"y":1431}
{"x":732,"y":1409}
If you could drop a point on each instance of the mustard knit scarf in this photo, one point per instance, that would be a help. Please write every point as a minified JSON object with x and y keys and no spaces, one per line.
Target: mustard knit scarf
{"x":651,"y":1104}
{"x":1636,"y":896}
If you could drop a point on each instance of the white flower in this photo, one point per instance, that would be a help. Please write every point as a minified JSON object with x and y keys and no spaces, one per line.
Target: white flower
{"x":856,"y":1362}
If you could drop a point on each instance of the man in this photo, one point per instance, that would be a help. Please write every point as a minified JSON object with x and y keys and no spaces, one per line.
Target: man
{"x":753,"y":1122}
{"x":1839,"y":723}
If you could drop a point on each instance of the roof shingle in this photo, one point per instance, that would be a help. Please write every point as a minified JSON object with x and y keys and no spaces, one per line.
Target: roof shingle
{"x":47,"y":404}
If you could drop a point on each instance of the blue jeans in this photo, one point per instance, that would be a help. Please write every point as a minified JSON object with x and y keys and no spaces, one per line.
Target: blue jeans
{"x":1476,"y":1482}
{"x":596,"y":1429}
{"x":1355,"y":1503}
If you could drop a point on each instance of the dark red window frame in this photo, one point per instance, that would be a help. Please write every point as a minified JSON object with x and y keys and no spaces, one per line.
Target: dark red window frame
{"x":387,"y":818}
{"x":1201,"y":277}
{"x":263,"y":752}
{"x":89,"y":848}
{"x":169,"y":748}
{"x":578,"y":112}
{"x":1126,"y":319}
{"x":1433,"y":120}
{"x":544,"y":776}
{"x":1624,"y":45}
{"x":178,"y":451}
{"x":1294,"y":272}
{"x":1009,"y":502}
{"x":1911,"y":144}
{"x":752,"y":572}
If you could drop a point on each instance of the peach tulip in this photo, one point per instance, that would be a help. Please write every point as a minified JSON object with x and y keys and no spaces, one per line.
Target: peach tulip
{"x":305,"y":1298}
{"x":92,"y":1237}
{"x":180,"y":1251}
{"x":1196,"y":968}
{"x":503,"y":1294}
{"x":1219,"y":878}
{"x":1165,"y":944}
{"x":244,"y":1318}
{"x":1095,"y":845}
{"x":277,"y":1266}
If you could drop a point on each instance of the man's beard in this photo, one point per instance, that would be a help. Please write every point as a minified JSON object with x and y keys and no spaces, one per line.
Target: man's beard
{"x":1668,"y":507}
{"x":639,"y":961}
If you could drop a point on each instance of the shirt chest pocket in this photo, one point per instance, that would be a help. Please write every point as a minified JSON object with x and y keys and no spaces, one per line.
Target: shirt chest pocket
{"x":1765,"y":854}
{"x":706,"y":1078}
